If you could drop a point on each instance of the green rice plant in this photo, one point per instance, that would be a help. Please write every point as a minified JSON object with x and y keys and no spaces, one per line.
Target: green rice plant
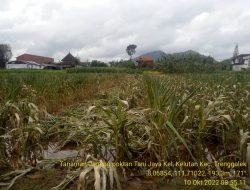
{"x":159,"y":93}
{"x":55,"y":89}
{"x":117,"y":122}
{"x":104,"y":70}
{"x":207,"y":123}
{"x":215,"y":114}
{"x":165,"y":110}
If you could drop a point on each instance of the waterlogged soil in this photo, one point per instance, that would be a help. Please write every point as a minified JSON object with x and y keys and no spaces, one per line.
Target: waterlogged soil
{"x":67,"y":152}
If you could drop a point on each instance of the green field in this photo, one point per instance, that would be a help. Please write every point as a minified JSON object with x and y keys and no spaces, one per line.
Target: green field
{"x":123,"y":116}
{"x":53,"y":89}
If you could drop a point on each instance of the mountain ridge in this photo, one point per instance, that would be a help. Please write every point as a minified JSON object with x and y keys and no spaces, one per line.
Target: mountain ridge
{"x":159,"y":55}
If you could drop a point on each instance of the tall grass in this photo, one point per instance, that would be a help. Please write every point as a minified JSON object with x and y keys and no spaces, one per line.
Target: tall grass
{"x":55,"y":89}
{"x":105,"y":70}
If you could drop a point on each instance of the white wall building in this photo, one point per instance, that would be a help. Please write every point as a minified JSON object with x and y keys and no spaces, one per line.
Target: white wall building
{"x":25,"y":65}
{"x":241,"y":62}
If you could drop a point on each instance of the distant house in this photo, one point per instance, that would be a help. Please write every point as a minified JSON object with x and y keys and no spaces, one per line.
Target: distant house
{"x":25,"y":65}
{"x":35,"y":58}
{"x":69,"y":61}
{"x":145,"y":62}
{"x":29,"y":61}
{"x":241,"y":62}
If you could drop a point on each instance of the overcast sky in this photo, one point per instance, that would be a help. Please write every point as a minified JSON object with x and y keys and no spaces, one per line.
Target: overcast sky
{"x":102,"y":29}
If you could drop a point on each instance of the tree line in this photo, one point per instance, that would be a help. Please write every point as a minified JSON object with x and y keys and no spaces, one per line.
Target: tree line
{"x":192,"y":63}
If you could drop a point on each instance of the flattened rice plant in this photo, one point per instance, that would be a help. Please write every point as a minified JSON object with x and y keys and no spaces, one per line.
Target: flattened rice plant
{"x":21,"y":133}
{"x":117,"y":122}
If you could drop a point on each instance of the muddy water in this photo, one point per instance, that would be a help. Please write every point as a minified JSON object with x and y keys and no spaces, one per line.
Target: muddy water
{"x":70,"y":152}
{"x":52,"y":153}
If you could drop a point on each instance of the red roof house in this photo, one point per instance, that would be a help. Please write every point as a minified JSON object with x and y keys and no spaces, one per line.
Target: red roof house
{"x":35,"y":58}
{"x":145,"y":62}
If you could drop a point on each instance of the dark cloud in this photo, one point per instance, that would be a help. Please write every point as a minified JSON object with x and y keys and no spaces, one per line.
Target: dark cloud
{"x":102,"y":29}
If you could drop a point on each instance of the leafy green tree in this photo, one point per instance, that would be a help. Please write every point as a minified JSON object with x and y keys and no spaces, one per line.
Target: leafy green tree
{"x":5,"y":54}
{"x":77,"y":61}
{"x":131,"y":50}
{"x":96,"y":63}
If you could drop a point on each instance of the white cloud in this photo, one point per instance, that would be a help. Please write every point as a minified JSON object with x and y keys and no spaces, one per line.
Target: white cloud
{"x":94,"y":29}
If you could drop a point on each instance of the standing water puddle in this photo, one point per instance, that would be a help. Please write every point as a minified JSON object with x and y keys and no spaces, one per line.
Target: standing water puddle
{"x":52,"y":153}
{"x":72,"y":152}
